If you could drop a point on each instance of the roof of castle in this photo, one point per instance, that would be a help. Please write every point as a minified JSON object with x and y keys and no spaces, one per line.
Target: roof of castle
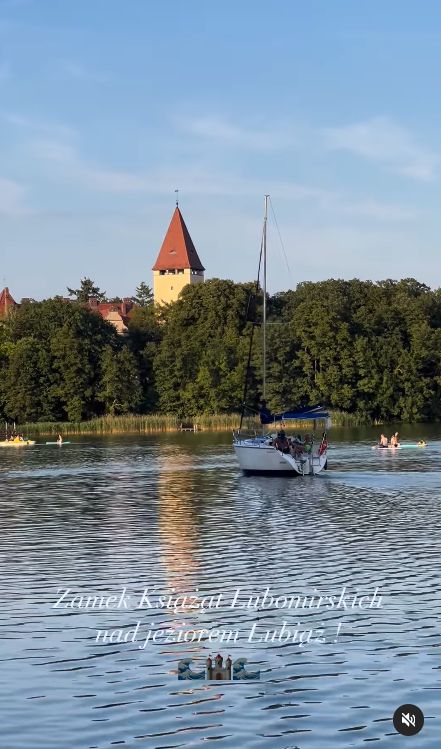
{"x":178,"y":250}
{"x":6,"y":302}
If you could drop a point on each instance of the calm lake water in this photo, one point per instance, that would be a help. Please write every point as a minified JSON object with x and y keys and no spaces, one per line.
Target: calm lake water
{"x":172,"y":512}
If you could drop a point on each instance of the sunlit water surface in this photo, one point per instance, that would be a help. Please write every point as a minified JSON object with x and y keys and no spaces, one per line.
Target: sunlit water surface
{"x":174,"y":512}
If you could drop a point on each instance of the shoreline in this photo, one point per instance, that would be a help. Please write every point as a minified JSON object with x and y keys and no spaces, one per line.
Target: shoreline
{"x":163,"y":423}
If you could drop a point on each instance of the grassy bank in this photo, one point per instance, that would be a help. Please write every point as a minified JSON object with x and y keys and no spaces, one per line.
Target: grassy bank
{"x":162,"y":423}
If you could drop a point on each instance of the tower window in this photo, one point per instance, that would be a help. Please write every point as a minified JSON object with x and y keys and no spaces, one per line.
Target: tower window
{"x":180,"y":270}
{"x":162,"y":272}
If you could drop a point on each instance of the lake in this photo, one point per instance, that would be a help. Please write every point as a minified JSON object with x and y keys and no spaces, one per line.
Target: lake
{"x":122,"y":556}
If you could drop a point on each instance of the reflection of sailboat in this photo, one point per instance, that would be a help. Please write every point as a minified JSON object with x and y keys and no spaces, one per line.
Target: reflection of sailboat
{"x":276,"y":454}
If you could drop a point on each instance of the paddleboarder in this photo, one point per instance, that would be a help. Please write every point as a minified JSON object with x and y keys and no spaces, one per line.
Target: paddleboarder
{"x":394,"y":440}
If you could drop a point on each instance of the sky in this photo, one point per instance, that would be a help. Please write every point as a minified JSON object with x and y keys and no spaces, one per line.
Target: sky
{"x":108,"y":106}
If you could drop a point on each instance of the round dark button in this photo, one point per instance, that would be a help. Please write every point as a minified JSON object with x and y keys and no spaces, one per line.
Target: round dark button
{"x":408,"y":720}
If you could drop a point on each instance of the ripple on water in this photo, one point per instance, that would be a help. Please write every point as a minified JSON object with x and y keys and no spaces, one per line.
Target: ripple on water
{"x":174,"y":512}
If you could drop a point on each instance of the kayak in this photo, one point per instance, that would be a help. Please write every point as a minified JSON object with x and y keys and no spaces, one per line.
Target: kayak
{"x":22,"y":443}
{"x":399,"y":447}
{"x":58,"y":443}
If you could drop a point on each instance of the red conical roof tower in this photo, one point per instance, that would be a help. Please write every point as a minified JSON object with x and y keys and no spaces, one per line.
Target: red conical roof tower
{"x":178,"y":250}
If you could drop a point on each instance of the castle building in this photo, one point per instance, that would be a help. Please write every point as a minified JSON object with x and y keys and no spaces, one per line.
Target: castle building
{"x":117,"y":313}
{"x":177,"y":264}
{"x":7,"y":303}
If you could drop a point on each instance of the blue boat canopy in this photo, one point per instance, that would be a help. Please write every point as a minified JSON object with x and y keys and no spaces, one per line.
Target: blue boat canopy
{"x":308,"y":413}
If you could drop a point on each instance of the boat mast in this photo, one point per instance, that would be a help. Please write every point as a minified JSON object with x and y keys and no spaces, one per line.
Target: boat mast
{"x":252,"y":296}
{"x":264,"y":300}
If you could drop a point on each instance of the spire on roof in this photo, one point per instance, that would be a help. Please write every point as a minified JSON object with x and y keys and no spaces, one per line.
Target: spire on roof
{"x":178,"y":250}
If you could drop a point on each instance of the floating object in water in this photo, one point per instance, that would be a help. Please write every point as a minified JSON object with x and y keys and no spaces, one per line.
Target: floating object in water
{"x":421,"y":443}
{"x":58,"y":443}
{"x":18,"y":443}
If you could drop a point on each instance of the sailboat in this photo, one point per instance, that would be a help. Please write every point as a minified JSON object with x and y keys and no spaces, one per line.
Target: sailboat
{"x":270,"y":453}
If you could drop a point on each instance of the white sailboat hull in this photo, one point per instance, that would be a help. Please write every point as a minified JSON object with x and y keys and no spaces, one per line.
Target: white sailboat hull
{"x":257,"y":456}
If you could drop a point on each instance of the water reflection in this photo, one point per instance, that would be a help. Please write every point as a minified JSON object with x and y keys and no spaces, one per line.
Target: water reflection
{"x":174,"y":512}
{"x":179,"y":492}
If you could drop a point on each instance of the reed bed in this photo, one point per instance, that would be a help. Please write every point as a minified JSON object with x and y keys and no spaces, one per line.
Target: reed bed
{"x":150,"y":423}
{"x":344,"y":419}
{"x":134,"y":424}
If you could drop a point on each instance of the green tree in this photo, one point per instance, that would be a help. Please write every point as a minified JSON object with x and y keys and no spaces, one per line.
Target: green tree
{"x":27,"y":394}
{"x":121,"y":390}
{"x":368,"y":348}
{"x":373,"y":349}
{"x":87,"y":291}
{"x":50,"y":359}
{"x":144,"y":295}
{"x":144,"y":335}
{"x":201,"y":360}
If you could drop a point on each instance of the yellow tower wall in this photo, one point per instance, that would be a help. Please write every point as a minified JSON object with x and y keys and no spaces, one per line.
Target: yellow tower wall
{"x":167,"y":286}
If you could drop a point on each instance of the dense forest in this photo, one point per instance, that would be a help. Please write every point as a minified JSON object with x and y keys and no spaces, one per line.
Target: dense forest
{"x":372,"y":349}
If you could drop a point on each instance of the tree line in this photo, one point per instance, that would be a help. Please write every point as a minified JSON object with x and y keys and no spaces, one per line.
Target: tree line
{"x":367,"y":348}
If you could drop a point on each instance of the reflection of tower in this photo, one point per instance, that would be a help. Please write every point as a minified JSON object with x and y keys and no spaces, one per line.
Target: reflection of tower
{"x":177,"y":518}
{"x":177,"y":264}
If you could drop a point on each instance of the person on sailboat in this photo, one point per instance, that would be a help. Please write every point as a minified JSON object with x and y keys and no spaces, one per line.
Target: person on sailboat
{"x":282,"y":443}
{"x":383,"y":441}
{"x":297,"y":445}
{"x":394,"y":440}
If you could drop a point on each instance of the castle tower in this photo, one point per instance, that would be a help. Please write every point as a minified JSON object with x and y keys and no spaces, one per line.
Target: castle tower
{"x":177,"y":264}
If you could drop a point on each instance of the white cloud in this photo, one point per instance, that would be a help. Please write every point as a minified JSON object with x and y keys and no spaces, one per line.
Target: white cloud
{"x":371,"y":209}
{"x":64,"y":162}
{"x":91,"y":176}
{"x":41,"y":127}
{"x":382,"y":140}
{"x":192,"y":179}
{"x":221,"y":130}
{"x":11,"y":197}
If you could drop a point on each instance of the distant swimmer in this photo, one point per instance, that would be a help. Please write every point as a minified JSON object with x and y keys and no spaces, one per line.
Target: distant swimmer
{"x":383,"y":441}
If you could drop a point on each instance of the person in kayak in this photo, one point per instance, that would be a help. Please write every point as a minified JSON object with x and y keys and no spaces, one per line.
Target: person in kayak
{"x":394,"y":440}
{"x":383,"y":441}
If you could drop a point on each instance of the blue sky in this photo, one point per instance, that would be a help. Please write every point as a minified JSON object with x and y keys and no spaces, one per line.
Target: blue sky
{"x":107,"y":106}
